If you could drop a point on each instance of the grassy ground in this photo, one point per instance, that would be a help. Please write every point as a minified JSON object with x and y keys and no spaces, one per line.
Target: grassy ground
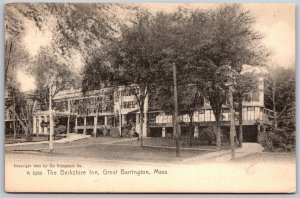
{"x":169,"y":142}
{"x":128,"y":149}
{"x":10,"y":139}
{"x":94,"y":147}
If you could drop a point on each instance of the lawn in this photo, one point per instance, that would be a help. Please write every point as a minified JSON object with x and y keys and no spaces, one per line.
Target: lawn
{"x":94,"y":148}
{"x":10,"y":140}
{"x":169,"y":142}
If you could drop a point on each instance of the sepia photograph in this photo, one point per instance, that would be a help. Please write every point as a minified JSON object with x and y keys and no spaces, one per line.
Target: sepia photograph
{"x":149,"y":98}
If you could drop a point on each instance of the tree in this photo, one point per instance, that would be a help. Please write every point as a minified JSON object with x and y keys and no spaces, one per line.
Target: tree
{"x":189,"y":99}
{"x":48,"y":70}
{"x":24,"y":112}
{"x":16,"y":57}
{"x":280,"y":91}
{"x":76,"y":29}
{"x":53,"y":76}
{"x":246,"y":83}
{"x":224,"y":36}
{"x":280,"y":97}
{"x":198,"y":42}
{"x":134,"y":61}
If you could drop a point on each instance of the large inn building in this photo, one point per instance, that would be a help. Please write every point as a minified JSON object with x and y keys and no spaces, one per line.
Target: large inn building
{"x":106,"y":108}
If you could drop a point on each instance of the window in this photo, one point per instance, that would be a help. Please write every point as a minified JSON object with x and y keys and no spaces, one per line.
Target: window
{"x":92,"y":101}
{"x":129,"y":92}
{"x":253,"y":95}
{"x":207,"y":115}
{"x":152,"y":117}
{"x":201,"y":111}
{"x":129,"y":104}
{"x":250,"y":112}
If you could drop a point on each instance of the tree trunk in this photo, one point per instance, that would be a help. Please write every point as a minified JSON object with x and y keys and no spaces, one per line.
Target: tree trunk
{"x":145,"y":118}
{"x":216,"y":107}
{"x":141,"y":126}
{"x":51,"y":130}
{"x":176,"y":110}
{"x":218,"y":132}
{"x":120,"y":115}
{"x":8,"y":61}
{"x":232,"y":125}
{"x":96,"y":120}
{"x":14,"y":119}
{"x":20,"y":120}
{"x":240,"y":121}
{"x":68,"y":126}
{"x":274,"y":105}
{"x":190,"y":131}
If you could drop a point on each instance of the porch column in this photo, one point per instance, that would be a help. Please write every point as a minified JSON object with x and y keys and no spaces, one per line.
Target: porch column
{"x":124,"y":119}
{"x":258,"y":133}
{"x":69,"y":106}
{"x":76,"y":130}
{"x":137,"y":123}
{"x":45,"y":128}
{"x":120,"y":124}
{"x":39,"y":127}
{"x":68,"y":126}
{"x":34,"y":125}
{"x":105,"y":120}
{"x":163,"y":134}
{"x":145,"y":122}
{"x":69,"y":115}
{"x":196,"y":132}
{"x":84,"y":124}
{"x":265,"y":134}
{"x":95,"y":125}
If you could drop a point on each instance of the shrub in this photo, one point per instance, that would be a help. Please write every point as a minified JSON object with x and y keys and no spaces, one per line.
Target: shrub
{"x":279,"y":139}
{"x":59,"y":129}
{"x":114,"y":132}
{"x":208,"y":134}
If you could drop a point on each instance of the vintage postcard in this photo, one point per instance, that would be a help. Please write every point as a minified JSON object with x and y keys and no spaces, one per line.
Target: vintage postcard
{"x":150,"y":98}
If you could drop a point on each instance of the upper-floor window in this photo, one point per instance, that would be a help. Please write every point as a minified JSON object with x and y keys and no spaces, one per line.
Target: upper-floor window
{"x":129,"y":104}
{"x":129,"y":92}
{"x":253,"y":95}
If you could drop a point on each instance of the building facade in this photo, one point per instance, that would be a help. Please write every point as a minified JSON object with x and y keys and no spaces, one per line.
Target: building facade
{"x":97,"y":111}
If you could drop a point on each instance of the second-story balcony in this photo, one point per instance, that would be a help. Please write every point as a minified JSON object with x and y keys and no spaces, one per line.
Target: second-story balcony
{"x":251,"y":116}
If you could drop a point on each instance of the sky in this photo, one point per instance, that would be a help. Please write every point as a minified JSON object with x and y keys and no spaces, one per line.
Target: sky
{"x":275,"y":21}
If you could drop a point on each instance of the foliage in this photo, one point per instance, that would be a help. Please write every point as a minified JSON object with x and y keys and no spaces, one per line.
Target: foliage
{"x":132,"y":60}
{"x":81,"y":27}
{"x":208,"y":134}
{"x":282,"y":82}
{"x":96,"y":74}
{"x":114,"y":132}
{"x":230,"y":39}
{"x":279,"y":139}
{"x":280,"y":96}
{"x":23,"y":109}
{"x":49,"y":71}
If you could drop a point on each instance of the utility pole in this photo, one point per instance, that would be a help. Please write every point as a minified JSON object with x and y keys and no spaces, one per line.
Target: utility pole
{"x":175,"y":110}
{"x":120,"y":112}
{"x":232,"y":126}
{"x":50,"y":121}
{"x":14,"y":118}
{"x":230,"y":83}
{"x":69,"y":115}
